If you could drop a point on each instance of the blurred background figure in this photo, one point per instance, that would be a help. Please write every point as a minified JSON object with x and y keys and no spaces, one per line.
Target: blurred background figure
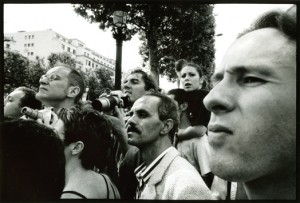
{"x":17,"y":99}
{"x":32,"y":162}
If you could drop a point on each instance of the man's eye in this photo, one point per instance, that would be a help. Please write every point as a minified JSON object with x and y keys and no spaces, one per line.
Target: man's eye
{"x":183,"y":75}
{"x":135,"y":81}
{"x":252,"y":80}
{"x":143,"y":115}
{"x":53,"y":77}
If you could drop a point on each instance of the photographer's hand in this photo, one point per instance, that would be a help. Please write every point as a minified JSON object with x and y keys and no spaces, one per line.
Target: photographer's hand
{"x":118,"y":127}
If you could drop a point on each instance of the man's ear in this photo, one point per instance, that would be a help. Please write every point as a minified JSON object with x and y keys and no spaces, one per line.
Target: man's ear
{"x":77,"y":147}
{"x":73,"y":91}
{"x":183,"y":106}
{"x":167,"y":126}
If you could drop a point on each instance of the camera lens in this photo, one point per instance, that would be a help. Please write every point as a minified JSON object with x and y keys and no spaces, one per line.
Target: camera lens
{"x":105,"y":103}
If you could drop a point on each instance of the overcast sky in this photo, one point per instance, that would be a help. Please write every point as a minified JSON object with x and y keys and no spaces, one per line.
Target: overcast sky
{"x":231,"y":19}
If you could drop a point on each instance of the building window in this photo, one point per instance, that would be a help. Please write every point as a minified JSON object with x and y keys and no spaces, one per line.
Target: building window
{"x":7,"y":46}
{"x":25,"y":37}
{"x":25,"y":45}
{"x":31,"y":53}
{"x":32,"y":36}
{"x":63,"y":46}
{"x":29,"y":36}
{"x":28,"y":45}
{"x":28,"y":53}
{"x":69,"y":50}
{"x":93,"y":65}
{"x":74,"y":51}
{"x":32,"y":44}
{"x":89,"y":63}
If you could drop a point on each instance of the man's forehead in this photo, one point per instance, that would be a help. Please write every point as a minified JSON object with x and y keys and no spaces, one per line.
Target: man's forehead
{"x":17,"y":93}
{"x":146,"y":102}
{"x":59,"y":70}
{"x":137,"y":76}
{"x":262,"y":45}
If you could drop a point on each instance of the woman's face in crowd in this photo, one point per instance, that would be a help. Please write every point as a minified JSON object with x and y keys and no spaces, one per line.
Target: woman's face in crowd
{"x":190,"y":79}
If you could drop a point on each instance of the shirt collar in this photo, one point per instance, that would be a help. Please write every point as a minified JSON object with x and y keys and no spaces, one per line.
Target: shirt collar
{"x":143,"y":173}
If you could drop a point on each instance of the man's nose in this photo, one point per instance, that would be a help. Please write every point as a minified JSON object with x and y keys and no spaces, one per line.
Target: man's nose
{"x":43,"y":80}
{"x":220,"y":99}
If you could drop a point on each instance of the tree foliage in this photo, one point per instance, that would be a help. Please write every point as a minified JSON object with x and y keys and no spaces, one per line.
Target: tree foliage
{"x":61,"y":57}
{"x":98,"y":81}
{"x":20,"y":71}
{"x":168,"y":32}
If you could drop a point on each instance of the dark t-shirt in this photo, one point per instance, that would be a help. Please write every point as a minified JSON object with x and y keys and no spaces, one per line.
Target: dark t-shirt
{"x":197,"y":113}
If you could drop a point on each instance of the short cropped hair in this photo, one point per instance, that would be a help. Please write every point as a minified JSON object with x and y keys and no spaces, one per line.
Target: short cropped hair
{"x":285,"y":22}
{"x":148,"y":80}
{"x":179,"y":95}
{"x":93,"y":129}
{"x":167,"y":109}
{"x":29,"y":99}
{"x":33,"y":162}
{"x":74,"y":79}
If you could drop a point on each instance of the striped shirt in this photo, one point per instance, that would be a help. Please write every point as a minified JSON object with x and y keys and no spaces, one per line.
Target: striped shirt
{"x":144,"y":173}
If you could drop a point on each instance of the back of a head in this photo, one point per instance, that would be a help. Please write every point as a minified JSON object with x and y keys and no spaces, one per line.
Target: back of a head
{"x":33,"y":162}
{"x":29,"y":99}
{"x":179,"y":95}
{"x":93,"y":129}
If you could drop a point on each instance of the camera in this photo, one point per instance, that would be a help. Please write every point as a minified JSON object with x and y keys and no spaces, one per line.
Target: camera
{"x":108,"y":103}
{"x":32,"y":113}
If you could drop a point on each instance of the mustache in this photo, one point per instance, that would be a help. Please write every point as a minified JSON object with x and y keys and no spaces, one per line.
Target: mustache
{"x":132,"y":128}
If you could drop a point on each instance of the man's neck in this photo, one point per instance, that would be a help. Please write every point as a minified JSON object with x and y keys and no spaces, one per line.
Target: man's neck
{"x":282,"y":186}
{"x":62,"y":104}
{"x":184,"y":121}
{"x":150,"y":153}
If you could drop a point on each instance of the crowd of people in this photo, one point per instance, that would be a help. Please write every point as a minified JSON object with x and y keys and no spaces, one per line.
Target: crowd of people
{"x":235,"y":141}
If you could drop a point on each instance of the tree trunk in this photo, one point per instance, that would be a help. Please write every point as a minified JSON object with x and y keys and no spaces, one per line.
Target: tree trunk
{"x":152,"y":44}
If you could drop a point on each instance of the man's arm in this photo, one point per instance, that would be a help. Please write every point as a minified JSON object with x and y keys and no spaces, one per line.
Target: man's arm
{"x":191,"y":132}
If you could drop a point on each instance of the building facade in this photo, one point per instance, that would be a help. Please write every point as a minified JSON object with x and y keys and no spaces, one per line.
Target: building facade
{"x":43,"y":43}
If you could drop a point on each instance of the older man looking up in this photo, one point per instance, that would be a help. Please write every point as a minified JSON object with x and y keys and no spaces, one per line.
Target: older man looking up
{"x":164,"y":174}
{"x":252,"y":129}
{"x":60,"y":87}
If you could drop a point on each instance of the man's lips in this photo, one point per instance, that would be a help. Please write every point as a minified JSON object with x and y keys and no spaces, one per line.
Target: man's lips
{"x":42,"y":88}
{"x":218,"y":134}
{"x":216,"y":128}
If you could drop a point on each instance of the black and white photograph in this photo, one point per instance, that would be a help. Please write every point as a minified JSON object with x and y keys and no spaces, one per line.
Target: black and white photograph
{"x":149,"y":101}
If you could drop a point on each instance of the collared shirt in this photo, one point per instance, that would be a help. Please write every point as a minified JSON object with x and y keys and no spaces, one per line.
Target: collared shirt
{"x":143,"y":173}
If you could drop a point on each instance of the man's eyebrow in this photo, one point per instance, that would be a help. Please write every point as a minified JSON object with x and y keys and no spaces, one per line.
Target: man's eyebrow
{"x":216,"y":77}
{"x":242,"y":70}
